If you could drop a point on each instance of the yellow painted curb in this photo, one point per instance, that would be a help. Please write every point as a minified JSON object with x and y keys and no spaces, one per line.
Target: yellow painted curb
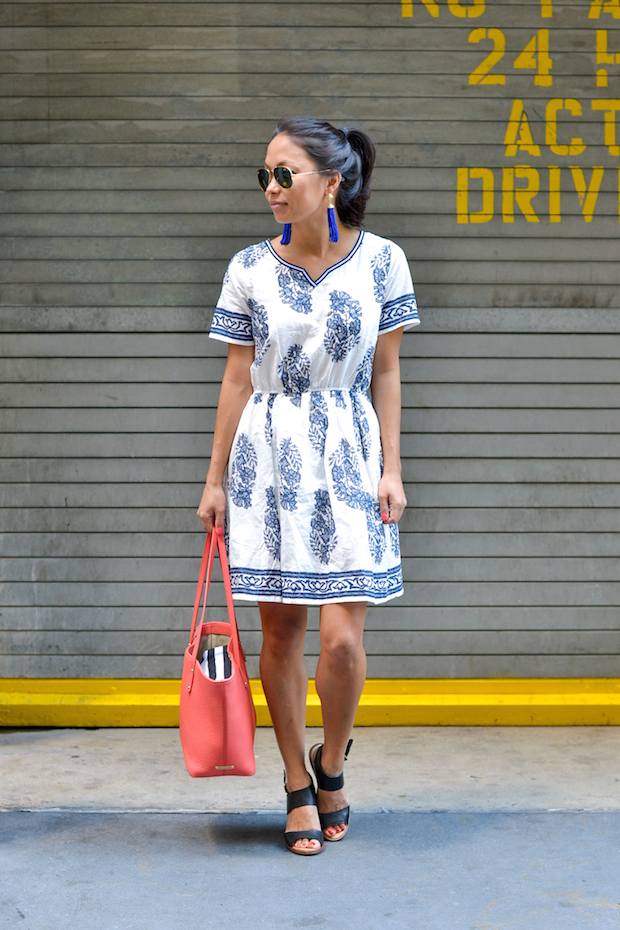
{"x":109,"y":702}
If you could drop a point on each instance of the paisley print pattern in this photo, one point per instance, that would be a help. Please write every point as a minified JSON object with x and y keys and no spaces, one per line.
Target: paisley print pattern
{"x":348,"y":487}
{"x":380,"y":265}
{"x":271,"y":532}
{"x":243,"y":472}
{"x":322,"y":528}
{"x":362,"y":428}
{"x":289,"y":465}
{"x":343,"y":325}
{"x":319,"y":421}
{"x":394,"y":540}
{"x":250,"y":256}
{"x":260,"y":330}
{"x":345,"y":473}
{"x":268,"y":419}
{"x":294,"y":372}
{"x":302,"y":520}
{"x":363,"y":375}
{"x":376,"y":532}
{"x":295,"y":289}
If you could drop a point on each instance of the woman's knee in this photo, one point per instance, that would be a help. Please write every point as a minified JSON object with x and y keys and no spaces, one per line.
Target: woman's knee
{"x":283,"y":632}
{"x":342,"y":647}
{"x":342,"y":633}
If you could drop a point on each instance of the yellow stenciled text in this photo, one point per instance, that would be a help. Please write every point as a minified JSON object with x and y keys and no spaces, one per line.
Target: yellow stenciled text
{"x":520,"y":187}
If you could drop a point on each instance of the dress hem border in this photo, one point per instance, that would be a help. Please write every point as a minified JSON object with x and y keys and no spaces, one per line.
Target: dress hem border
{"x":309,"y":588}
{"x":304,"y":602}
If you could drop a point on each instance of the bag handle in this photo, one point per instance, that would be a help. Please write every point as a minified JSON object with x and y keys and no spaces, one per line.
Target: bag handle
{"x":215,"y":541}
{"x":207,"y":557}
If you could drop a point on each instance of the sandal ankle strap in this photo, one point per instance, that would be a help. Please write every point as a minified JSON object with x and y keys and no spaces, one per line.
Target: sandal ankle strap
{"x":324,"y":781}
{"x":300,"y":798}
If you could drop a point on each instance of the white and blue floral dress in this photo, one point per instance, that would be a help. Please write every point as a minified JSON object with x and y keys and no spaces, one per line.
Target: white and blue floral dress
{"x":303,"y":523}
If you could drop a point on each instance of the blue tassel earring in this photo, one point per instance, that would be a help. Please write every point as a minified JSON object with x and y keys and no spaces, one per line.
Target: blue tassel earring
{"x":286,"y":234}
{"x":331,"y":220}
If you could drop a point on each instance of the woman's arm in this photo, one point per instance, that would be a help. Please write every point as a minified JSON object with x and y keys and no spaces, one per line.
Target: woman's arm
{"x":385,"y":389}
{"x":234,"y":393}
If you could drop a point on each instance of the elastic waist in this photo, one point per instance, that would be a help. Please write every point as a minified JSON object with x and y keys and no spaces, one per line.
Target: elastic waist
{"x":337,"y":390}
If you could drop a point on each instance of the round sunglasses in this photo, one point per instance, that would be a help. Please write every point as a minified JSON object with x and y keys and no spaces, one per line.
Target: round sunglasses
{"x":284,"y":176}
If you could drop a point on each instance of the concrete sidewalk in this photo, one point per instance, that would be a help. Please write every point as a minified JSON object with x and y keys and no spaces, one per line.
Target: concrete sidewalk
{"x":394,"y":768}
{"x":452,"y":829}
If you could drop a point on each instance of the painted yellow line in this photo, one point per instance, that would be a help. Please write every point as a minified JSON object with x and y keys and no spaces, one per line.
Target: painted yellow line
{"x":106,"y":702}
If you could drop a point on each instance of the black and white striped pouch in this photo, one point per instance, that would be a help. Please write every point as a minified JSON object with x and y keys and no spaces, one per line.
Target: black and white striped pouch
{"x":216,"y":663}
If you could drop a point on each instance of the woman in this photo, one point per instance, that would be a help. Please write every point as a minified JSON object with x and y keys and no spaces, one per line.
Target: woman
{"x":313,"y":492}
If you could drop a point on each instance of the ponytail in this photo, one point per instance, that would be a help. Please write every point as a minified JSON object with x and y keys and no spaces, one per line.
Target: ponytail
{"x":353,"y":195}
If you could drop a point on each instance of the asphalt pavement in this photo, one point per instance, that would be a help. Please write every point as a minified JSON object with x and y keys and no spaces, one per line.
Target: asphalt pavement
{"x":452,"y":829}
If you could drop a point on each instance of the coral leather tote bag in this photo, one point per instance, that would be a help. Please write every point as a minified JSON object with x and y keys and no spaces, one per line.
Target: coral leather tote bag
{"x":217,"y":717}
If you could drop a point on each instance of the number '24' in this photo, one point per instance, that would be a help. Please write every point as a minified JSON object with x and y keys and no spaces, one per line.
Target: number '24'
{"x":535,"y":55}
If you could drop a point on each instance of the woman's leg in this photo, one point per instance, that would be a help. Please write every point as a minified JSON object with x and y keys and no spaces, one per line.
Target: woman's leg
{"x":340,"y":676}
{"x":285,"y":682}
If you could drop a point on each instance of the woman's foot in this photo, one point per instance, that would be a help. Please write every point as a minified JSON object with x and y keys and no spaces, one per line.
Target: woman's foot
{"x":333,"y":801}
{"x":300,"y":819}
{"x":332,"y":797}
{"x":303,"y":829}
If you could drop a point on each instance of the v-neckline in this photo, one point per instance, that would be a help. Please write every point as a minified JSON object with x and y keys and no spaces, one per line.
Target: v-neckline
{"x":327,"y":271}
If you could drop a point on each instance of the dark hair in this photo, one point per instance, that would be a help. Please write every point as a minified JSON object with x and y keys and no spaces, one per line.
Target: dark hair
{"x":349,"y":151}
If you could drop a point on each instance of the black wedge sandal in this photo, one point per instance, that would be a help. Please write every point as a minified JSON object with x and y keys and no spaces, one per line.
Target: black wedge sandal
{"x":301,"y":798}
{"x":330,"y":783}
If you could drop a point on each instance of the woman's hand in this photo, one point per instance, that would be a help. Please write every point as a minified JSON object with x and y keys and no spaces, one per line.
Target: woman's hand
{"x":392,"y":500}
{"x":212,"y":507}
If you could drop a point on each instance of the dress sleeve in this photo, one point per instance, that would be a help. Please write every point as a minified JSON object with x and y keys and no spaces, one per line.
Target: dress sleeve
{"x":232,"y":319}
{"x":399,"y":303}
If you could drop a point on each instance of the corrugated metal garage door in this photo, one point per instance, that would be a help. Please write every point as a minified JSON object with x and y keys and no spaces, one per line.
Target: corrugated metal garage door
{"x":131,"y":136}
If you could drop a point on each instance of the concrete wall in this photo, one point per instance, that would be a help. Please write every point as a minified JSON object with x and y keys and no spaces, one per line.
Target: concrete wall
{"x":131,"y":135}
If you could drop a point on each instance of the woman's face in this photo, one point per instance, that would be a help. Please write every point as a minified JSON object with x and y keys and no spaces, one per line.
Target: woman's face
{"x":308,"y":195}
